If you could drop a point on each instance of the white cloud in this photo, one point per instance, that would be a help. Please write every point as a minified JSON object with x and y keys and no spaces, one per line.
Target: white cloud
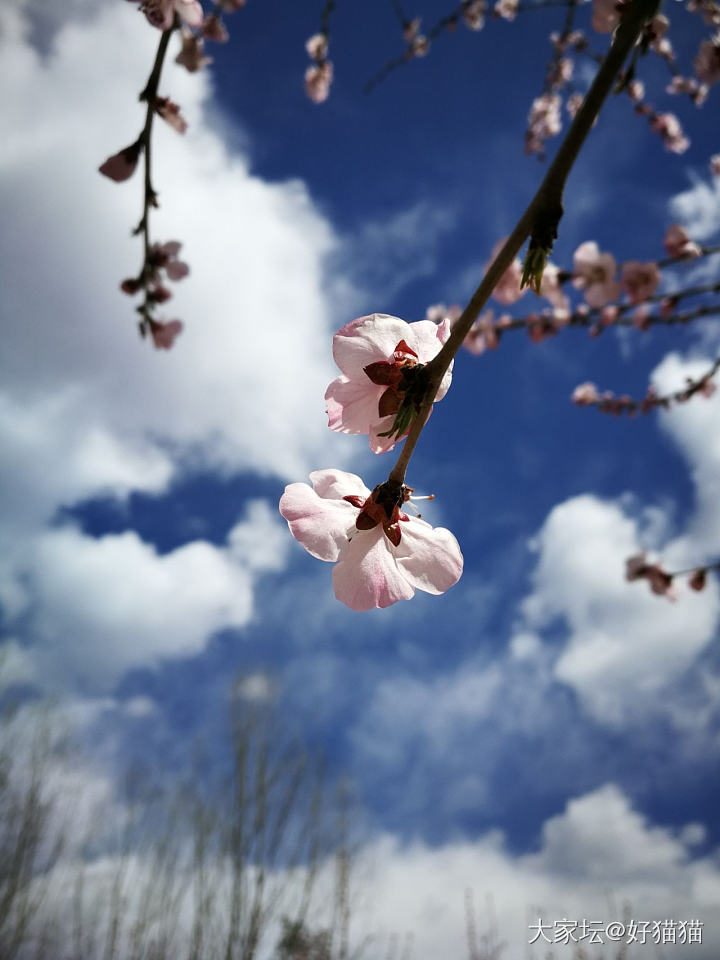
{"x":698,"y":208}
{"x":624,"y":648}
{"x":16,"y":665}
{"x":255,"y":307}
{"x":99,"y":606}
{"x":623,"y":645}
{"x":601,"y":838}
{"x":598,"y":850}
{"x":695,"y":429}
{"x":86,"y":408}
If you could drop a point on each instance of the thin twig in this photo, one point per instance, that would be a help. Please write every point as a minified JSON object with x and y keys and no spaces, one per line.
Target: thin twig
{"x":547,"y":198}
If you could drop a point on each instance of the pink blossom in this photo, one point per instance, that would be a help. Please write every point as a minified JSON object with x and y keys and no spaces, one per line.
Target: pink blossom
{"x":668,"y":126}
{"x":382,"y":555}
{"x":170,"y":112}
{"x":507,"y":9}
{"x":508,"y":289}
{"x":192,"y":55}
{"x":609,"y":315}
{"x":541,"y":326}
{"x":214,"y":29}
{"x":318,"y":78}
{"x":680,"y":85}
{"x":594,"y":272}
{"x":636,"y":90}
{"x":640,"y":280}
{"x":585,"y":394}
{"x":709,"y":10}
{"x":482,"y":335}
{"x":122,"y":165}
{"x":473,"y":14}
{"x":418,"y":44}
{"x":605,"y":15}
{"x":677,"y":242}
{"x":655,"y":32}
{"x":164,"y":334}
{"x":380,"y":358}
{"x":317,"y":46}
{"x":551,"y":287}
{"x":637,"y":568}
{"x":163,"y":256}
{"x":161,"y":13}
{"x":707,"y":62}
{"x":130,"y":286}
{"x":715,"y":164}
{"x":230,"y":6}
{"x":573,"y":104}
{"x":665,"y":49}
{"x":560,"y":73}
{"x":543,"y":122}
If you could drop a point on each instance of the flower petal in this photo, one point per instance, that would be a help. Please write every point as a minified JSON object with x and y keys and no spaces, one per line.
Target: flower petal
{"x":380,"y":444}
{"x":367,"y":575}
{"x":352,"y":404}
{"x":320,"y":525}
{"x":190,"y":11}
{"x":426,"y":338}
{"x":429,"y":557}
{"x":366,"y":340}
{"x":336,"y":484}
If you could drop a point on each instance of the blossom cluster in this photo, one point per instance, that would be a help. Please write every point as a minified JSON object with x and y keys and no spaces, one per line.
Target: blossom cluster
{"x":659,"y":580}
{"x":382,"y":553}
{"x":587,"y":395}
{"x":319,"y":74}
{"x":167,"y":16}
{"x":612,"y":295}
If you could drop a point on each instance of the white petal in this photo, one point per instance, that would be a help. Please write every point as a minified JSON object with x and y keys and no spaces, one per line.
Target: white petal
{"x":367,"y":575}
{"x":423,"y":338}
{"x":336,"y":484}
{"x":352,"y":405}
{"x":367,"y":340}
{"x":380,"y":444}
{"x":429,"y":557}
{"x":320,"y":525}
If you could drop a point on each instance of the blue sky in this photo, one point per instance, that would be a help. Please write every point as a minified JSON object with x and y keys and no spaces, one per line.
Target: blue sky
{"x":544,"y":730}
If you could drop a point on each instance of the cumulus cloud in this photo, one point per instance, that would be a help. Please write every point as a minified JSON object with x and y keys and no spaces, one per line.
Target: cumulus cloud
{"x":693,"y":427}
{"x":598,"y":841}
{"x":698,"y":208}
{"x":86,"y":408}
{"x":95,"y":607}
{"x":255,"y":307}
{"x":623,"y":645}
{"x":623,"y":649}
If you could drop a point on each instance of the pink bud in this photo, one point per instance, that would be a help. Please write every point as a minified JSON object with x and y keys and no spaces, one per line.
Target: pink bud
{"x":170,"y":112}
{"x":317,"y":46}
{"x":164,"y":334}
{"x":130,"y":286}
{"x":122,"y":165}
{"x":214,"y":29}
{"x":585,"y":394}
